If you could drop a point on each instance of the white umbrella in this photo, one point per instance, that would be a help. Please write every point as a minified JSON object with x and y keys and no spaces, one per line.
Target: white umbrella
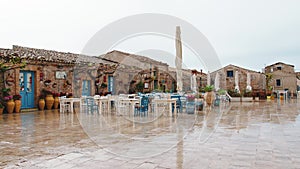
{"x":236,"y":81}
{"x":178,"y":60}
{"x":249,"y":88}
{"x":194,"y":83}
{"x":208,"y":78}
{"x":217,"y":81}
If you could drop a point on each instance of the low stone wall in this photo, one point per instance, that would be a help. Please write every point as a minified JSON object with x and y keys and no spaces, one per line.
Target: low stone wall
{"x":241,"y":99}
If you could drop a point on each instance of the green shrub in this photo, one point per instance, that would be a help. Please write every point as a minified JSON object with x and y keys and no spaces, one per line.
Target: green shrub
{"x":208,"y":88}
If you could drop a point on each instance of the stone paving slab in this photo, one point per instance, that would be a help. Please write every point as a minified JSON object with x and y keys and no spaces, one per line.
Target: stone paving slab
{"x":252,"y":135}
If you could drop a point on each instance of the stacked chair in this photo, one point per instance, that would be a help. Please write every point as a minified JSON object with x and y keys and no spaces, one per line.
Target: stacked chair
{"x":142,"y":108}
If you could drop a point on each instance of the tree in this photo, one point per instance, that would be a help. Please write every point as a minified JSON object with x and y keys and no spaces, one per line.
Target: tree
{"x":269,"y":77}
{"x":139,"y":87}
{"x":9,"y":62}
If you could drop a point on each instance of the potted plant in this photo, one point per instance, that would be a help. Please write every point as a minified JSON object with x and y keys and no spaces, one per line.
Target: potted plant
{"x":1,"y":108}
{"x":18,"y":103}
{"x":209,"y":95}
{"x":247,"y":96}
{"x":42,"y":101}
{"x":222,"y":92}
{"x":10,"y":104}
{"x":190,"y":104}
{"x":8,"y":99}
{"x":208,"y":88}
{"x":49,"y":99}
{"x":235,"y":96}
{"x":56,"y":100}
{"x":190,"y":98}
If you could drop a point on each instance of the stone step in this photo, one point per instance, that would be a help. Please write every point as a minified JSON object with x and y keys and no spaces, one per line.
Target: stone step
{"x":29,"y":110}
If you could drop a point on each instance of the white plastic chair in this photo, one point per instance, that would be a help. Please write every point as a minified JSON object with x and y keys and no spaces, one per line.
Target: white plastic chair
{"x":64,"y":105}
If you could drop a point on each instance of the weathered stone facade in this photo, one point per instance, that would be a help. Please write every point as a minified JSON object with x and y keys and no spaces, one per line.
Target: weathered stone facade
{"x":283,"y":77}
{"x":125,"y":68}
{"x":159,"y":76}
{"x":45,"y":65}
{"x":227,"y":78}
{"x":201,"y":78}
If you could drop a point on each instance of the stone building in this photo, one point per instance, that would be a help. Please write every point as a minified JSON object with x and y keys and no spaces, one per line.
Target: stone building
{"x":140,"y":73}
{"x":283,"y":77}
{"x":58,"y":72}
{"x":227,"y":78}
{"x":148,"y":74}
{"x":61,"y":72}
{"x":298,"y":81}
{"x":201,"y":78}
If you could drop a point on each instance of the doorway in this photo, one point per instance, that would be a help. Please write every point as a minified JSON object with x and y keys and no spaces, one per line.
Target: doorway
{"x":86,"y":88}
{"x":26,"y":82}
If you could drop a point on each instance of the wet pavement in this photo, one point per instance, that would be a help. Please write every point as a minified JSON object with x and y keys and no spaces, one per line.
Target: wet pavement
{"x":236,"y":135}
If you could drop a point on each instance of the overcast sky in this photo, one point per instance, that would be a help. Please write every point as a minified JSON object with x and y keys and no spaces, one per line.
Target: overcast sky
{"x":247,"y":33}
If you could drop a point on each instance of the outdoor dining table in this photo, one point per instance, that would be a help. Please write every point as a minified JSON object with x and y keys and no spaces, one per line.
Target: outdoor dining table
{"x":165,"y":101}
{"x":131,"y":101}
{"x":101,"y":101}
{"x":72,"y":101}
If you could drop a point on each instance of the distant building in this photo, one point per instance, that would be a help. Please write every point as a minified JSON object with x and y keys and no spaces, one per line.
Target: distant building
{"x":227,"y":78}
{"x":136,"y":73}
{"x":58,"y":72}
{"x":283,"y":77}
{"x":298,"y":81}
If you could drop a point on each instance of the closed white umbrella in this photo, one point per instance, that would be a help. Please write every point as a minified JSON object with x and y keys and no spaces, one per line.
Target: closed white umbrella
{"x":194,"y":83}
{"x":236,"y":81}
{"x":217,"y":81}
{"x":178,"y":60}
{"x":208,"y":78}
{"x":249,"y":88}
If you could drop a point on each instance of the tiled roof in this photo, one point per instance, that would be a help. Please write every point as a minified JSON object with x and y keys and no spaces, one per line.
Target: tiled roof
{"x":118,"y":56}
{"x":280,"y":63}
{"x":50,"y":55}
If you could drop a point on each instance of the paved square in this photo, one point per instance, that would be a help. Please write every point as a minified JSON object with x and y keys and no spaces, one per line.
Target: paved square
{"x":237,"y":135}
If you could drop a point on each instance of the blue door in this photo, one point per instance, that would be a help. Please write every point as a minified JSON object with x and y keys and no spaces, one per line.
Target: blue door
{"x":86,"y":88}
{"x":26,"y":82}
{"x":111,"y":84}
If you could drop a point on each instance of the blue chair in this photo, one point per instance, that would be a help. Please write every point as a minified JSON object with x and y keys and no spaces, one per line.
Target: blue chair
{"x":92,"y":106}
{"x":217,"y":101}
{"x":178,"y":103}
{"x":190,"y":107}
{"x":199,"y":105}
{"x":183,"y":101}
{"x":142,"y":108}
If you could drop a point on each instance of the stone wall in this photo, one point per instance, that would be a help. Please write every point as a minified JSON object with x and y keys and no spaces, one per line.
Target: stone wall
{"x":279,"y":66}
{"x":288,"y":81}
{"x":42,"y":74}
{"x":228,"y":83}
{"x":201,"y":78}
{"x":285,"y":73}
{"x":129,"y":66}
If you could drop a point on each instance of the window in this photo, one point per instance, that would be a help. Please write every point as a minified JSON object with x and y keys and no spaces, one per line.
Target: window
{"x":230,"y":73}
{"x":154,"y":73}
{"x":155,"y":84}
{"x":278,"y":82}
{"x":279,"y":68}
{"x":61,"y":75}
{"x":110,"y":84}
{"x":146,"y":85}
